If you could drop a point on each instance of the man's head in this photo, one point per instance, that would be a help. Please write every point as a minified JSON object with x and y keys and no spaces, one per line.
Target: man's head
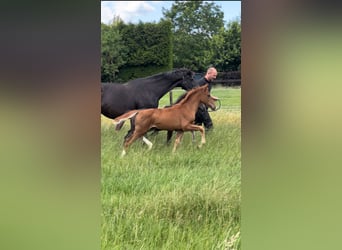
{"x":211,"y":74}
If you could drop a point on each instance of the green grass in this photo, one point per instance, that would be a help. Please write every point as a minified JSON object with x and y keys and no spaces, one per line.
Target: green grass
{"x":230,"y":97}
{"x":187,"y":200}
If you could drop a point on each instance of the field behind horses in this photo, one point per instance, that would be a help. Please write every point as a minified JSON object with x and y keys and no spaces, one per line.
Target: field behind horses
{"x":187,"y":200}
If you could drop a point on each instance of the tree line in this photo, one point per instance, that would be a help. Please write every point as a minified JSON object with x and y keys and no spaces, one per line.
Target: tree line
{"x":191,"y":34}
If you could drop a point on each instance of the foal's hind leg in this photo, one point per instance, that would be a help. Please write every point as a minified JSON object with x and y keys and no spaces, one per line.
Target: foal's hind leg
{"x":128,"y":141}
{"x":131,"y":130}
{"x":179,"y":136}
{"x":136,"y":134}
{"x":148,"y":142}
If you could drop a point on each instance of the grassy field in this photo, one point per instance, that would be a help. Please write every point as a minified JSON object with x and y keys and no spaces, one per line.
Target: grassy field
{"x":187,"y":200}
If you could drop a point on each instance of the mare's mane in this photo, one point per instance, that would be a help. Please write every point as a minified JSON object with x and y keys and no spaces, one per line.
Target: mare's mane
{"x":176,"y":72}
{"x":163,"y":75}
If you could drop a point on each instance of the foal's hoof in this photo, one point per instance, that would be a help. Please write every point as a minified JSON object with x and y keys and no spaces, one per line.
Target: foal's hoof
{"x":123,"y":153}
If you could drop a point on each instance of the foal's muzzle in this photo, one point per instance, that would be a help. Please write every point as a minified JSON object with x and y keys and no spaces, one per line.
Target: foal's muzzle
{"x":212,"y":100}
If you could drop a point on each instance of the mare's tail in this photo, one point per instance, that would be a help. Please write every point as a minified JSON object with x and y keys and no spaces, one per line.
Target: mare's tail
{"x":119,"y":121}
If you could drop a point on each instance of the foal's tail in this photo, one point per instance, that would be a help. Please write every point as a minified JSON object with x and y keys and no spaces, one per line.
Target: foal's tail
{"x":119,"y":121}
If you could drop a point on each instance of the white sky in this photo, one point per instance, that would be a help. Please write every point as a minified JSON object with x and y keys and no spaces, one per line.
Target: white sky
{"x":151,"y":11}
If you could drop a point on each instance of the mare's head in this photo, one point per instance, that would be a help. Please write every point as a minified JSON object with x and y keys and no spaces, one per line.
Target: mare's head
{"x":184,"y":78}
{"x":206,"y":98}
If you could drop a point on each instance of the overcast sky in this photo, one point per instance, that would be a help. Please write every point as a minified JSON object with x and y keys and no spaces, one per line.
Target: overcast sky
{"x":151,"y":11}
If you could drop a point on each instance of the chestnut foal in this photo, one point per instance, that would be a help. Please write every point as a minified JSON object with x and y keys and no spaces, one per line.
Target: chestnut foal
{"x":179,"y":117}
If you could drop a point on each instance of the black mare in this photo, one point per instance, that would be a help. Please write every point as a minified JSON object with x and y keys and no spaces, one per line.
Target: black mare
{"x":141,"y":93}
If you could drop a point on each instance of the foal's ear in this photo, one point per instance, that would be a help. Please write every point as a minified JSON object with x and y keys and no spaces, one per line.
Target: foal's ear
{"x":214,"y":97}
{"x":205,"y":86}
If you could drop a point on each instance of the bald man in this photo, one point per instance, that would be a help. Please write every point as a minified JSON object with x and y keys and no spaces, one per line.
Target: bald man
{"x":202,"y":115}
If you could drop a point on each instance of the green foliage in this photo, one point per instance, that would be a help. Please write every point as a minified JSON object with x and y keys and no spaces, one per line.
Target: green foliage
{"x":192,"y":35}
{"x":148,"y":43}
{"x":126,"y":73}
{"x":230,"y":98}
{"x":226,"y":48}
{"x":195,"y":17}
{"x":130,"y":51}
{"x":150,"y":49}
{"x":193,"y":24}
{"x":113,"y":52}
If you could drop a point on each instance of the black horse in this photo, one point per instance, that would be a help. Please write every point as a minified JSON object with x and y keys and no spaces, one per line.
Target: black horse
{"x":141,"y":93}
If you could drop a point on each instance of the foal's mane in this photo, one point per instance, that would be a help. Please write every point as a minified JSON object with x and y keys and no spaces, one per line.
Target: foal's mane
{"x":188,"y":94}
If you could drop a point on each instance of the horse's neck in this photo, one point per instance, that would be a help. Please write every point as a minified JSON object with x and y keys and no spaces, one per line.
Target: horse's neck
{"x":192,"y":103}
{"x":163,"y":85}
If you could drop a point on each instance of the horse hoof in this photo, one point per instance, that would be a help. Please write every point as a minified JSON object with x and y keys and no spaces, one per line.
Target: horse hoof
{"x":123,"y":153}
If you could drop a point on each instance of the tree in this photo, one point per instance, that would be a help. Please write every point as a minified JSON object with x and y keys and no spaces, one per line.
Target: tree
{"x":112,"y":50}
{"x":226,"y":48}
{"x":149,"y":49}
{"x":194,"y":23}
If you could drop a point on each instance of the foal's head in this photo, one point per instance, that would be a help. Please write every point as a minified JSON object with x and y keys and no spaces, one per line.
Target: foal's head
{"x":206,"y":98}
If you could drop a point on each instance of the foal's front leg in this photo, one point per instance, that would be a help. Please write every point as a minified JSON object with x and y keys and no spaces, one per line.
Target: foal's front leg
{"x":193,"y":128}
{"x":179,"y":136}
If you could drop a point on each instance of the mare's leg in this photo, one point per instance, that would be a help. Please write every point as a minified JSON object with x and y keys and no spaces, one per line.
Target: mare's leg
{"x":193,"y":136}
{"x":169,"y":136}
{"x":154,"y":131}
{"x":179,"y":136}
{"x":202,"y":116}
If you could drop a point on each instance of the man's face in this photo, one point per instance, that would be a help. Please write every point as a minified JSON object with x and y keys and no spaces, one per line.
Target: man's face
{"x":212,"y":75}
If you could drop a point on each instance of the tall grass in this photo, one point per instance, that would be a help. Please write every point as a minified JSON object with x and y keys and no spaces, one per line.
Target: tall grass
{"x":159,"y":200}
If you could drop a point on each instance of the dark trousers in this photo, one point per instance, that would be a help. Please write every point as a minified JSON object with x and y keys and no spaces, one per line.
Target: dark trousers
{"x":202,"y":116}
